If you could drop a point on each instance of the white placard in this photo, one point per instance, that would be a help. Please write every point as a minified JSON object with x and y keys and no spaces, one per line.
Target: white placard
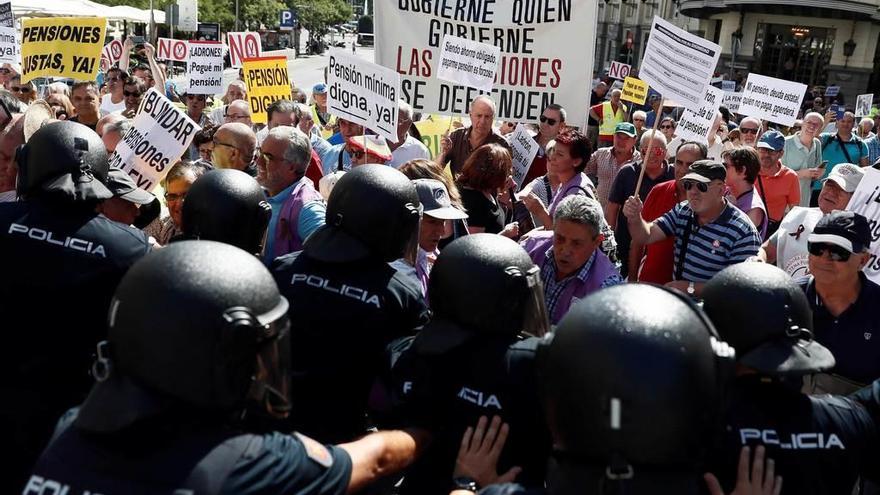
{"x":832,"y":90}
{"x":171,"y":49}
{"x":363,"y":93}
{"x":731,"y":101}
{"x":728,"y":85}
{"x":863,"y":106}
{"x":695,"y":125}
{"x":243,"y":45}
{"x":10,"y":47}
{"x":524,"y":150}
{"x":678,"y":64}
{"x":775,"y":100}
{"x":619,"y":70}
{"x":469,"y":63}
{"x":204,"y":67}
{"x":544,"y":54}
{"x":158,"y":137}
{"x":866,"y":201}
{"x":188,"y":15}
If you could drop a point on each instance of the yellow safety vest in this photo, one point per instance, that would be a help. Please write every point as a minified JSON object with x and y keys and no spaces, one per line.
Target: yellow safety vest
{"x":610,"y":119}
{"x":332,"y":120}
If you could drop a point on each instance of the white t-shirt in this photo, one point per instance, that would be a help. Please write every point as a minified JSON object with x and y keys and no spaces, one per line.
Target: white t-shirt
{"x":108,"y":107}
{"x":791,"y":240}
{"x":411,"y":149}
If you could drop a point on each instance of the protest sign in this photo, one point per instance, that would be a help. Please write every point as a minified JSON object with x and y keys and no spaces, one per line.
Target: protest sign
{"x":524,"y":149}
{"x":9,"y":47}
{"x":832,"y":90}
{"x":6,"y":18}
{"x":772,"y":99}
{"x":158,"y":137}
{"x":866,"y":201}
{"x":731,"y":101}
{"x":695,"y":125}
{"x":242,"y":46}
{"x":267,"y":81}
{"x":539,"y":63}
{"x":204,"y":67}
{"x":432,"y":130}
{"x":728,"y":85}
{"x":863,"y":105}
{"x":469,"y":63}
{"x":173,"y":50}
{"x":363,"y":93}
{"x":62,"y":47}
{"x":678,"y":64}
{"x":634,"y":90}
{"x":112,"y":52}
{"x":619,"y":70}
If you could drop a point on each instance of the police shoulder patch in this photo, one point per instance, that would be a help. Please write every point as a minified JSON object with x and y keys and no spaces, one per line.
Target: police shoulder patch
{"x":315,"y":450}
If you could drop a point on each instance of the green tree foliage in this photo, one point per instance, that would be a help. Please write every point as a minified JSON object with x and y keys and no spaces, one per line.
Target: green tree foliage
{"x":252,"y":13}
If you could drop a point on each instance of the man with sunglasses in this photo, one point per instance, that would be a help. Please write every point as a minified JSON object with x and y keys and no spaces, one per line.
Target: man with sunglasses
{"x":132,"y":92}
{"x":843,"y":301}
{"x":749,"y":131}
{"x":25,"y":92}
{"x":710,"y":233}
{"x":114,"y":100}
{"x":552,"y":123}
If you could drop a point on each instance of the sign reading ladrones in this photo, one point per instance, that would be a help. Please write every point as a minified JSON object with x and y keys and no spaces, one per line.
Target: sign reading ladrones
{"x":267,"y":81}
{"x":695,"y":125}
{"x":363,"y":93}
{"x":524,"y":150}
{"x":539,"y":63}
{"x":204,"y":67}
{"x":772,"y":99}
{"x":62,"y":47}
{"x":866,"y":201}
{"x":158,"y":137}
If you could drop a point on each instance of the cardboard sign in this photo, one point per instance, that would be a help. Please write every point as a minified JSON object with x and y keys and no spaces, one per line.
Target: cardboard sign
{"x":866,"y":201}
{"x":363,"y":93}
{"x":204,"y":68}
{"x":524,"y":149}
{"x":173,"y":50}
{"x":540,"y":64}
{"x":62,"y":47}
{"x":619,"y":70}
{"x":863,"y":105}
{"x":6,"y":18}
{"x":696,"y":125}
{"x":159,"y":136}
{"x":469,"y":63}
{"x":678,"y":64}
{"x":832,"y":90}
{"x":768,"y":98}
{"x":242,"y":46}
{"x":732,"y":101}
{"x":634,"y":90}
{"x":432,"y":130}
{"x":267,"y":82}
{"x":9,"y":46}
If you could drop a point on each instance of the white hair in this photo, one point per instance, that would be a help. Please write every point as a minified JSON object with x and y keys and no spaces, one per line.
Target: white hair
{"x":639,"y":113}
{"x":58,"y":87}
{"x":752,"y":119}
{"x":487,"y":100}
{"x":405,"y":109}
{"x":656,"y":135}
{"x":299,"y":148}
{"x":867,"y":120}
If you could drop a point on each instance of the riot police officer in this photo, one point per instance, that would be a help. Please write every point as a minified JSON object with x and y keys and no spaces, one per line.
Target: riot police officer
{"x":347,"y":303}
{"x":227,"y":205}
{"x":197,"y":330}
{"x":60,"y":262}
{"x":821,"y":443}
{"x":477,"y":358}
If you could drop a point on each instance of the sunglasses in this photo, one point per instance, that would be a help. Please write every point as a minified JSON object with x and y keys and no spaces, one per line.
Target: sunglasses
{"x":666,"y":127}
{"x":131,"y":93}
{"x":5,"y":71}
{"x":836,"y":253}
{"x":689,"y":184}
{"x":20,"y":89}
{"x":746,"y":130}
{"x":548,"y":120}
{"x":357,"y":154}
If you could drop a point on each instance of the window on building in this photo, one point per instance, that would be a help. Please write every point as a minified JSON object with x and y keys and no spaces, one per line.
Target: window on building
{"x":794,"y":53}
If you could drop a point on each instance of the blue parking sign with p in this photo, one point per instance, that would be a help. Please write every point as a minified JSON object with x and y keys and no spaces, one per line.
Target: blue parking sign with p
{"x":288,"y":20}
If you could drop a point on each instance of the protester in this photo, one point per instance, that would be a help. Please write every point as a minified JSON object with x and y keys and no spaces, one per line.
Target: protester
{"x":605,"y":163}
{"x":438,"y":212}
{"x":597,"y":95}
{"x":841,"y":147}
{"x":321,"y":116}
{"x":279,"y":112}
{"x":803,"y":154}
{"x":61,"y":106}
{"x":11,"y":137}
{"x":203,"y":143}
{"x":130,"y":205}
{"x":238,"y":111}
{"x":750,"y":129}
{"x":743,"y":166}
{"x":667,"y":127}
{"x":368,"y":149}
{"x":236,"y":91}
{"x":25,"y":92}
{"x":778,"y":185}
{"x":609,"y":114}
{"x":552,"y":122}
{"x":429,"y":169}
{"x":462,"y":143}
{"x":638,"y":120}
{"x":113,"y":131}
{"x":336,"y":157}
{"x":483,"y":177}
{"x":234,"y":147}
{"x":176,"y":185}
{"x":86,"y":101}
{"x":133,"y":92}
{"x":114,"y":101}
{"x":150,"y":72}
{"x":407,"y":147}
{"x":571,"y":150}
{"x":866,"y":126}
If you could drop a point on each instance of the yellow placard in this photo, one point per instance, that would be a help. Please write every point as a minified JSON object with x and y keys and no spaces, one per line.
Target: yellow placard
{"x":62,"y":47}
{"x":432,"y":130}
{"x":267,"y":81}
{"x":634,"y":90}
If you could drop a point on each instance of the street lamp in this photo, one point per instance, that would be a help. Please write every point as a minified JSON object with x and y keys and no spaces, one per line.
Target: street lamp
{"x":850,"y":46}
{"x":735,"y":45}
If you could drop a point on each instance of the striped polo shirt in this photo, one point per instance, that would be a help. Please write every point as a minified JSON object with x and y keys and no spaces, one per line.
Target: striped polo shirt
{"x":729,"y":239}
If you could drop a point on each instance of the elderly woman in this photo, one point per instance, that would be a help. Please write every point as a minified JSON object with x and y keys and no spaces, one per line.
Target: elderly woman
{"x":421,"y":168}
{"x":743,"y":166}
{"x":483,"y":176}
{"x":569,"y":157}
{"x":176,"y":184}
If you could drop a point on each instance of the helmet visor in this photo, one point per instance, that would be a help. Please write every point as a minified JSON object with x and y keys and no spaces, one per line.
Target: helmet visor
{"x":271,"y":385}
{"x":411,"y":248}
{"x":535,"y":319}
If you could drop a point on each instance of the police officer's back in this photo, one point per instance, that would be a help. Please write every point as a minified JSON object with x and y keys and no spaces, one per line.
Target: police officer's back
{"x":60,"y":262}
{"x":347,"y":302}
{"x":820,"y":443}
{"x":477,"y":358}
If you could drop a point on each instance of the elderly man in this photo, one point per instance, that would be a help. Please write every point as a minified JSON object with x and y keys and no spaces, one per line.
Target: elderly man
{"x":321,"y":116}
{"x":112,"y":131}
{"x":437,"y":215}
{"x":234,"y":146}
{"x":335,"y":157}
{"x":656,"y":171}
{"x":777,"y":184}
{"x":609,"y":114}
{"x":367,"y":149}
{"x":842,"y":147}
{"x":710,"y":233}
{"x":297,"y":208}
{"x":605,"y":163}
{"x":844,"y":301}
{"x":237,"y":90}
{"x":638,"y":120}
{"x":803,"y":154}
{"x":279,"y":112}
{"x":865,"y":132}
{"x":238,"y":111}
{"x":552,"y":122}
{"x":787,"y":248}
{"x":572,"y":266}
{"x":113,"y":100}
{"x":407,"y":146}
{"x":459,"y":145}
{"x":86,"y":100}
{"x":749,"y":130}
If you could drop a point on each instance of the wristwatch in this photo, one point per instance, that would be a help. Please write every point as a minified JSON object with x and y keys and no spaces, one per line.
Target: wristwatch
{"x":464,"y":483}
{"x":691,"y":289}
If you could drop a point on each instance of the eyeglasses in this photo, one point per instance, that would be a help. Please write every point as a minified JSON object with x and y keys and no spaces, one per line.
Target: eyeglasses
{"x":20,"y":89}
{"x":4,"y":70}
{"x":218,"y":143}
{"x":638,"y":120}
{"x":689,"y":184}
{"x":237,"y":116}
{"x":171,"y":197}
{"x":131,"y":93}
{"x":666,"y":127}
{"x":548,"y":120}
{"x":836,"y":253}
{"x":747,"y":130}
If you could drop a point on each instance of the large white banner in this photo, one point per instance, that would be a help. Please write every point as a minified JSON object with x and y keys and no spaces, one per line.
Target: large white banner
{"x":866,"y":201}
{"x":363,"y":93}
{"x":159,"y":135}
{"x":546,"y":53}
{"x":678,"y":64}
{"x":775,"y":100}
{"x":695,"y":125}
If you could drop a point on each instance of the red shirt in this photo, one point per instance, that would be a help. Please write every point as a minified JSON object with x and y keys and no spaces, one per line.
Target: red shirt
{"x":657,"y":266}
{"x":314,"y":170}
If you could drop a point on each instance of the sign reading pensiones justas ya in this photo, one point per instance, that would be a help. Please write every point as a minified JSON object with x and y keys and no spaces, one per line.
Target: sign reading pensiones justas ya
{"x":543,"y":59}
{"x":62,"y":47}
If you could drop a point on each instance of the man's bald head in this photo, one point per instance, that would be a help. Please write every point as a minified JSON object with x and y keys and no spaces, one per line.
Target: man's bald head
{"x":10,"y":139}
{"x":234,"y":145}
{"x":239,"y":111}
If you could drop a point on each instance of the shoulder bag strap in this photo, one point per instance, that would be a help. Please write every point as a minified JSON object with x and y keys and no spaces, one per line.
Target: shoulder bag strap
{"x":679,"y":267}
{"x":843,"y":147}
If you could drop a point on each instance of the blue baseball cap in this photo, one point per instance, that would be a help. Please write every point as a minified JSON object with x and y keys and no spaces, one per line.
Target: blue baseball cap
{"x":319,"y":88}
{"x":771,"y":140}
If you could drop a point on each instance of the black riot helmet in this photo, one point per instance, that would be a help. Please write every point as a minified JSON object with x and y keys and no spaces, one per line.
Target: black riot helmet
{"x":227,"y":205}
{"x":195,"y":325}
{"x":63,"y":159}
{"x":631,"y":383}
{"x":374,"y":212}
{"x":766,"y":317}
{"x":486,"y":283}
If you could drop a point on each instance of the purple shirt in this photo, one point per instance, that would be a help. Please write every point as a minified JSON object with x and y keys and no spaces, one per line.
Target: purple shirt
{"x":748,"y":202}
